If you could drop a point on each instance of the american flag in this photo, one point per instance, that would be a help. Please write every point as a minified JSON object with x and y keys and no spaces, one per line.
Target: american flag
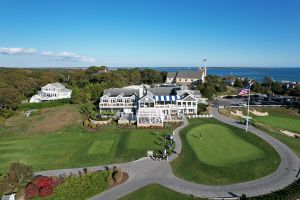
{"x":244,"y":91}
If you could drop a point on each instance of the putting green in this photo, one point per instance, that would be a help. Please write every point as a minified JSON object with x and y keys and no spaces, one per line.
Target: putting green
{"x":217,"y":145}
{"x":101,"y":147}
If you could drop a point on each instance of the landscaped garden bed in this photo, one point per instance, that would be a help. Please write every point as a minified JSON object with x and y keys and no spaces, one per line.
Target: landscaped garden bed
{"x":76,"y":186}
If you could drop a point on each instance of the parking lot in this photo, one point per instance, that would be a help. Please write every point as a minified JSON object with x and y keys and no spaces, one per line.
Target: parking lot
{"x":261,"y":100}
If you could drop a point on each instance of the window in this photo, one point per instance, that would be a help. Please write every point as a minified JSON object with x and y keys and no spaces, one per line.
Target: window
{"x":180,"y":79}
{"x":119,"y":100}
{"x":186,"y":79}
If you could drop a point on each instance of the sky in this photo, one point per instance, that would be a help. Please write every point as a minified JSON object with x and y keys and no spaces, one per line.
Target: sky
{"x":150,"y":33}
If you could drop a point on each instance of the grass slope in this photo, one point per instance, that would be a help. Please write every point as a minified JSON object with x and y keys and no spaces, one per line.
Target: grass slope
{"x":157,"y":192}
{"x":72,"y":145}
{"x":240,"y":156}
{"x":281,"y":122}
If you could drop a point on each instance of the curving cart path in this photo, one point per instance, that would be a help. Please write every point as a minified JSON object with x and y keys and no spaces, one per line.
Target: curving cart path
{"x":147,"y":171}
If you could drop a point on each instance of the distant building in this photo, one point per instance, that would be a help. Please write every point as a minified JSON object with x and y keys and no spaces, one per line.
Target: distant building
{"x":186,"y":77}
{"x":52,"y":91}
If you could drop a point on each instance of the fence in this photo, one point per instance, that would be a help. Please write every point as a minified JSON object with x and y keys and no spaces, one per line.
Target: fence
{"x":200,"y":116}
{"x":251,"y":106}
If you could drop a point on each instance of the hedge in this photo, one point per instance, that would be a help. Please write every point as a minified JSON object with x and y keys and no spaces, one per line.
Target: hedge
{"x":46,"y":104}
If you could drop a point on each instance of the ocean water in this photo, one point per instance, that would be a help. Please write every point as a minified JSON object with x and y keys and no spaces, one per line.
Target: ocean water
{"x":278,"y":74}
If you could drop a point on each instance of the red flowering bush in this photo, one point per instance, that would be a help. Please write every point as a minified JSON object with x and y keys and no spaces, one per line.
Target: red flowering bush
{"x":43,"y":181}
{"x":32,"y":190}
{"x":41,"y":186}
{"x":46,"y":191}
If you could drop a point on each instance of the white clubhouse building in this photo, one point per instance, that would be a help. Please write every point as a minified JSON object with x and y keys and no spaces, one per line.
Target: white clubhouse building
{"x":151,"y":106}
{"x":52,"y":91}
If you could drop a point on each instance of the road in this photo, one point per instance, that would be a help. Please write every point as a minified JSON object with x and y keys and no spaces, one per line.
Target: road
{"x":147,"y":171}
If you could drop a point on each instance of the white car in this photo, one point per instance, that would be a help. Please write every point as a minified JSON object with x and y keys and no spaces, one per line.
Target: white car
{"x":242,"y":104}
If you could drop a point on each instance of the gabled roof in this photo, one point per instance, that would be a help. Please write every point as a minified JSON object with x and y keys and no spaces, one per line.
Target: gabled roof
{"x":189,"y":74}
{"x":55,"y":85}
{"x":114,"y":92}
{"x":171,"y":74}
{"x":189,"y":98}
{"x":163,"y":90}
{"x":144,"y":98}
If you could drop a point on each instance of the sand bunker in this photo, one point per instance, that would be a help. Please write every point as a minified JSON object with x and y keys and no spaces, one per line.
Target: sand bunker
{"x":237,"y":113}
{"x":289,"y":133}
{"x":257,"y":113}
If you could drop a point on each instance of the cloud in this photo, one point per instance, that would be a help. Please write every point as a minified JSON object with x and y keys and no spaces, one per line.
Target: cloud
{"x":68,"y":56}
{"x":16,"y":50}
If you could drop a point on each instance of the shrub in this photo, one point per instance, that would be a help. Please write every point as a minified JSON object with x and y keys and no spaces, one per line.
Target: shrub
{"x":41,"y":186}
{"x":46,"y":191}
{"x":118,"y":175}
{"x":93,"y":126}
{"x":43,"y":181}
{"x":32,"y":190}
{"x":86,"y":123}
{"x":82,"y":187}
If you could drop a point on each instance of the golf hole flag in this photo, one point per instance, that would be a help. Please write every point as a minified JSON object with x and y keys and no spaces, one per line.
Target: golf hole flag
{"x":244,"y":91}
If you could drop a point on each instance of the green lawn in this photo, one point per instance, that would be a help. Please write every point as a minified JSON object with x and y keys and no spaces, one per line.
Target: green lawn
{"x":74,"y":146}
{"x":281,"y":122}
{"x":156,"y":192}
{"x":223,"y":154}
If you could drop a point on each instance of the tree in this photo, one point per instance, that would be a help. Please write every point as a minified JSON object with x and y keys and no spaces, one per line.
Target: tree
{"x":201,"y":108}
{"x":238,"y":83}
{"x":80,"y":96}
{"x":9,"y":97}
{"x":150,"y":76}
{"x":208,"y":92}
{"x":18,"y":176}
{"x":95,"y":69}
{"x":95,"y":90}
{"x":277,"y":88}
{"x":267,"y":82}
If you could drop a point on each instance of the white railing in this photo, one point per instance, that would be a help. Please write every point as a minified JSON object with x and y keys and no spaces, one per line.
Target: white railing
{"x":117,"y":105}
{"x":200,"y":116}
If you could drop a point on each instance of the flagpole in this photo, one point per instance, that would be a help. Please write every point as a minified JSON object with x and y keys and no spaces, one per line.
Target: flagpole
{"x":247,"y":122}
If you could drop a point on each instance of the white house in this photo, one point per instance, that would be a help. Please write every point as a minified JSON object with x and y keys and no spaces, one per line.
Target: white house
{"x":52,"y":91}
{"x":151,"y":106}
{"x":119,"y":99}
